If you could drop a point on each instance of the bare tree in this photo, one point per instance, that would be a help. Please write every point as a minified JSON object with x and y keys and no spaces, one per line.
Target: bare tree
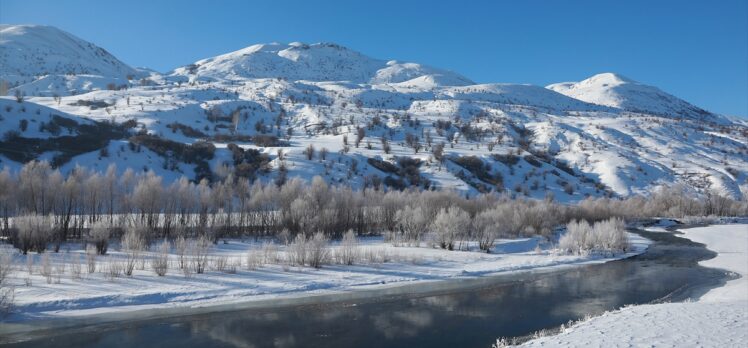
{"x":487,"y":226}
{"x":181,"y":246}
{"x":200,"y":251}
{"x":297,"y":251}
{"x":348,"y":252}
{"x":438,"y":152}
{"x":309,"y":152}
{"x":160,"y":262}
{"x":360,"y":134}
{"x":91,"y":258}
{"x":33,"y":232}
{"x":133,"y":244}
{"x":318,"y":250}
{"x":449,"y":225}
{"x":99,"y":234}
{"x":7,"y":291}
{"x":147,"y":197}
{"x":607,"y":236}
{"x":385,"y":145}
{"x":413,"y":224}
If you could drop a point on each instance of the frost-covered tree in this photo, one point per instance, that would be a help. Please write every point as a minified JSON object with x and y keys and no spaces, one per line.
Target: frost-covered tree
{"x":34,"y":191}
{"x":133,"y":244}
{"x":318,"y":251}
{"x":8,"y":200}
{"x":348,"y":251}
{"x":33,"y":232}
{"x":608,"y":236}
{"x":7,"y":292}
{"x":147,"y":198}
{"x":99,"y":234}
{"x":413,"y":223}
{"x":449,"y":225}
{"x":160,"y":262}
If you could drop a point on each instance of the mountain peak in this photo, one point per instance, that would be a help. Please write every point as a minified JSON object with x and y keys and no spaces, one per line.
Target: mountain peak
{"x":607,"y":78}
{"x":620,"y":92}
{"x":34,"y":51}
{"x":322,"y":61}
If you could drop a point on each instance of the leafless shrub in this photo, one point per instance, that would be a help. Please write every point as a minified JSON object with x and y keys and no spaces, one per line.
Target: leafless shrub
{"x":181,"y":246}
{"x":285,"y":236}
{"x":6,"y":267}
{"x":487,"y":225}
{"x":413,"y":222}
{"x":59,"y":271}
{"x":7,"y":292}
{"x":607,"y":236}
{"x":187,"y":270}
{"x":384,"y":255}
{"x":99,"y":234}
{"x":75,"y":267}
{"x":133,"y":244}
{"x":34,"y":232}
{"x":448,"y":226}
{"x":309,"y":152}
{"x":254,"y":258}
{"x":348,"y":252}
{"x":30,"y":263}
{"x":220,"y":263}
{"x":318,"y":250}
{"x":270,"y":253}
{"x":297,"y":251}
{"x":113,"y":269}
{"x":369,"y":256}
{"x":376,"y":255}
{"x":91,"y":258}
{"x":200,"y":250}
{"x":233,"y":265}
{"x":160,"y":263}
{"x":46,"y":268}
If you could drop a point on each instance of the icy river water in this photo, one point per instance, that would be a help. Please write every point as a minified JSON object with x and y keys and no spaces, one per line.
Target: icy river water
{"x":473,"y":316}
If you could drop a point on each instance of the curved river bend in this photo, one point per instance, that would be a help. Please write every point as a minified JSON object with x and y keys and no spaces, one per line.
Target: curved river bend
{"x":500,"y":306}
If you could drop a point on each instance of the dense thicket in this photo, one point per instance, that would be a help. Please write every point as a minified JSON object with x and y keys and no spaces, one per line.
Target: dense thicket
{"x":50,"y":208}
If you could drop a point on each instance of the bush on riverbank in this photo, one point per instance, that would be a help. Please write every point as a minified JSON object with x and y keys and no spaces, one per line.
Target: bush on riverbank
{"x":581,"y":238}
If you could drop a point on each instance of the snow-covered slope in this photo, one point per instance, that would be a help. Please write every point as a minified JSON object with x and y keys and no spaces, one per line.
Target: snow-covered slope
{"x":604,"y":136}
{"x":52,"y":59}
{"x":618,"y":91}
{"x":717,"y":319}
{"x":316,"y":62}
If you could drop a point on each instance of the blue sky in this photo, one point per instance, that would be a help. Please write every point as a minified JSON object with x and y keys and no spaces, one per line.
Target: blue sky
{"x":696,"y":50}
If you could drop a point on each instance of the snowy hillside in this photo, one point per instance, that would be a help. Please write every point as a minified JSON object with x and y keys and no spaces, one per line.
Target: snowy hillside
{"x":302,"y":110}
{"x":620,"y":92}
{"x":317,"y":62}
{"x":54,"y":61}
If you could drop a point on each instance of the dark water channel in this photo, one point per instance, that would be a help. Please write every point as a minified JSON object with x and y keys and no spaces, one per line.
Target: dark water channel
{"x":510,"y":306}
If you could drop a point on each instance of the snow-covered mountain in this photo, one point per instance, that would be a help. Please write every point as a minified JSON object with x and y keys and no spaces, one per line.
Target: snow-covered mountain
{"x":620,"y":92}
{"x":419,"y":126}
{"x":44,"y":60}
{"x":316,"y":62}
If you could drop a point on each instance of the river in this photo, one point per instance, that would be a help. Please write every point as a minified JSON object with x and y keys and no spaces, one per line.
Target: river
{"x":472,"y":316}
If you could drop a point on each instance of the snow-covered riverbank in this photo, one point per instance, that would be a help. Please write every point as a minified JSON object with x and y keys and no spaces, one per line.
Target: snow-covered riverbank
{"x":97,"y":294}
{"x":717,"y":319}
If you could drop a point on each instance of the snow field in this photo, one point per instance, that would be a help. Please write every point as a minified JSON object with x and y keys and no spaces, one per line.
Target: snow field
{"x":717,"y":319}
{"x":235,"y":275}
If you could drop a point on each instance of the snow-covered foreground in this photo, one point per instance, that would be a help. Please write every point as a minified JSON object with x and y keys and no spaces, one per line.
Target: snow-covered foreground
{"x":96,"y":293}
{"x":717,"y":319}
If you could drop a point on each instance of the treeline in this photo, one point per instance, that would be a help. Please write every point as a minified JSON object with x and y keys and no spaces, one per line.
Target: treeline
{"x":232,"y":207}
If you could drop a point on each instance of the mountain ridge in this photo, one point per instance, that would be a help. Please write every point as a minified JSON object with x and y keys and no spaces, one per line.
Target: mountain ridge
{"x":314,"y":62}
{"x":385,"y":122}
